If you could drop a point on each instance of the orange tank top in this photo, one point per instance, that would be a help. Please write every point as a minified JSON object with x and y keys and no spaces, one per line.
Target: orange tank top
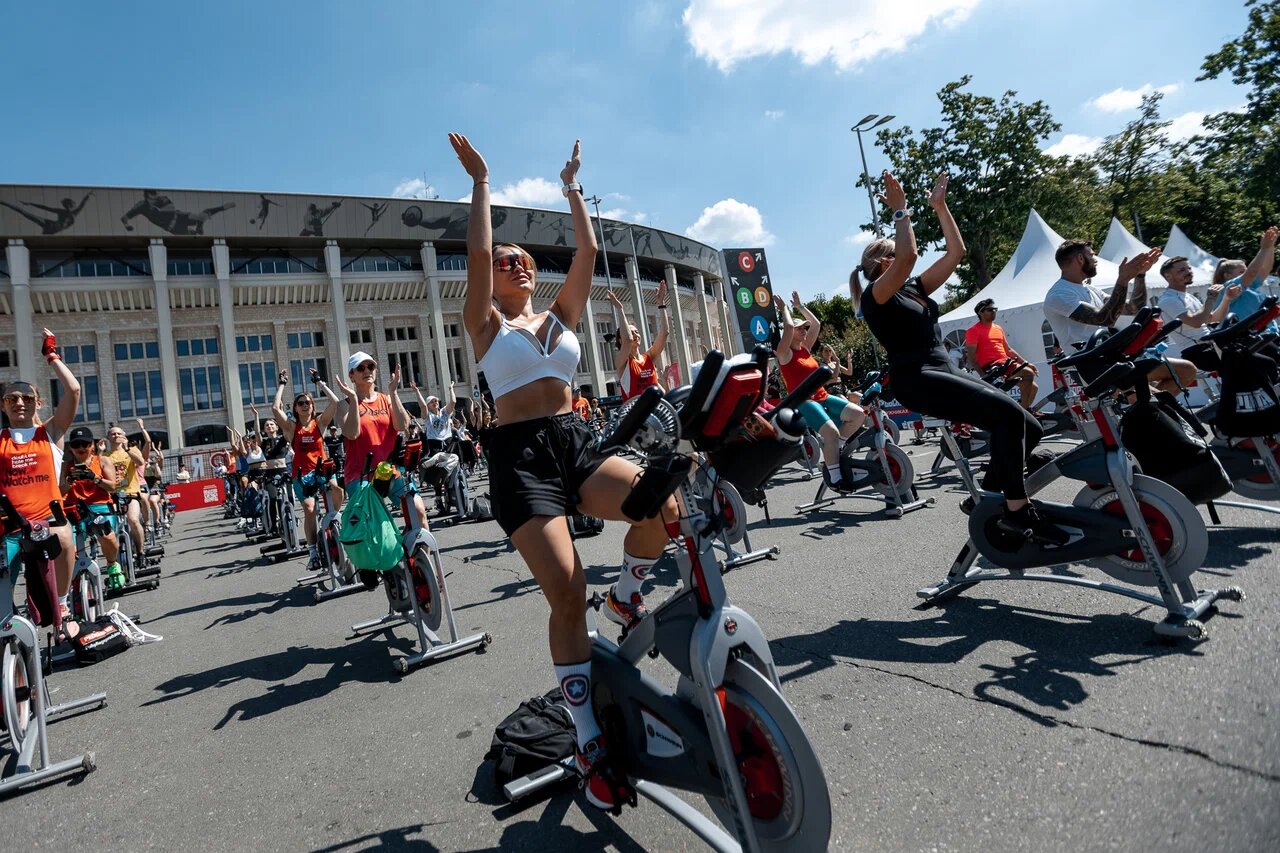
{"x":87,"y":490}
{"x":377,"y":436}
{"x":796,"y":370}
{"x":639,"y":375}
{"x":308,"y":448}
{"x":29,"y":473}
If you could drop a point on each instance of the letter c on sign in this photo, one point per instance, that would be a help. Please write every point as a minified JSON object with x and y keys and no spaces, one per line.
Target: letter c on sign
{"x":746,"y":262}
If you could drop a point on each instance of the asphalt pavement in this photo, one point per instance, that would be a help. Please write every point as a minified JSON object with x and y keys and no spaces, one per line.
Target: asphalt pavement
{"x":1017,"y":716}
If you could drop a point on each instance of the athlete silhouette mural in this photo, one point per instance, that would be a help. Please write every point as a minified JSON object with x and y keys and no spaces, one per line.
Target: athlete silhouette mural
{"x":160,"y":211}
{"x":264,"y":210}
{"x":315,"y":218}
{"x":375,"y":212}
{"x":63,"y":217}
{"x":452,"y":226}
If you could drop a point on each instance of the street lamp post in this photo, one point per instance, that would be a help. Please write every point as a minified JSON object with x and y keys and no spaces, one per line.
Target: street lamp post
{"x":869,"y":123}
{"x":595,"y":199}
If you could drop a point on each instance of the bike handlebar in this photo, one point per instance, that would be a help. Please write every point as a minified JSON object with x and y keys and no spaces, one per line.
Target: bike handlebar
{"x":17,"y":522}
{"x":1250,"y":323}
{"x":630,"y":424}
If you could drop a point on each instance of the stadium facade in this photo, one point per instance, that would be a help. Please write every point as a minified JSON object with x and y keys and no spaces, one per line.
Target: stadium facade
{"x":180,"y":306}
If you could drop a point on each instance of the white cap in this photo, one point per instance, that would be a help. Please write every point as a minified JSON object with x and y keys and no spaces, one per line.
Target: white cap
{"x":359,"y":358}
{"x":429,"y":399}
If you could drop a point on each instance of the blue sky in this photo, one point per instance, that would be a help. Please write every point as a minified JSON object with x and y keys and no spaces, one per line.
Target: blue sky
{"x":725,"y":120}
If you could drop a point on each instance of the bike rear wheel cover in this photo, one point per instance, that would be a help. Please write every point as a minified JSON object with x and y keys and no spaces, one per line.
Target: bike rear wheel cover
{"x":1175,"y":525}
{"x":13,"y":677}
{"x":779,"y":759}
{"x":432,"y":612}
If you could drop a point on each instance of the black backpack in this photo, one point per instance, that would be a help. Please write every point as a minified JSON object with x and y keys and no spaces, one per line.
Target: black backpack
{"x":1250,"y":406}
{"x":1169,"y":443}
{"x":536,"y":735}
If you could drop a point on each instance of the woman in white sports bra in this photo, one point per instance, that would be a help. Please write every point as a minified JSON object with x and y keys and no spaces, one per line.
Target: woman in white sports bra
{"x":542,"y":465}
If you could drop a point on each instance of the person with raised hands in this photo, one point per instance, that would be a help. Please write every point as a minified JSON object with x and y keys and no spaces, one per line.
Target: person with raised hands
{"x":637,"y":370}
{"x":832,"y":418}
{"x":305,"y":434}
{"x":903,"y":316}
{"x":31,"y":461}
{"x":542,"y":461}
{"x":371,"y":421}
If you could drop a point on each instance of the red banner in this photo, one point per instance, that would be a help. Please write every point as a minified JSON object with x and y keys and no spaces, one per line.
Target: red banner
{"x":197,"y":494}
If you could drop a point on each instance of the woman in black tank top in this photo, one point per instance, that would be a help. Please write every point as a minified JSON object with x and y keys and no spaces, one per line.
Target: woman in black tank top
{"x":903,"y":316}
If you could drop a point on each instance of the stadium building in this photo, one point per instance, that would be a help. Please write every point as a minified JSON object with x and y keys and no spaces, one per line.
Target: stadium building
{"x":180,"y":307}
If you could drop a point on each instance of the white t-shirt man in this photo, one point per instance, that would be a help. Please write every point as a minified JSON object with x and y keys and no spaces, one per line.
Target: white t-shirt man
{"x":1173,"y":304}
{"x":1059,"y":303}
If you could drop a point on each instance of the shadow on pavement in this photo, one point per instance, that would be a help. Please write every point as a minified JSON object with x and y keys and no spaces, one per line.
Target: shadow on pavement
{"x":1061,"y":647}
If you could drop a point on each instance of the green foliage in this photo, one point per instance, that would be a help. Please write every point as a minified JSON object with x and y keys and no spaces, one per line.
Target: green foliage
{"x":1130,"y":160}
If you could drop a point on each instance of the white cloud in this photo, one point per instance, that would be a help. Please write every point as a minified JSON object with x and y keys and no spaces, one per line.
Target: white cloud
{"x":1121,"y":100}
{"x":413,"y":188}
{"x":1074,"y":145}
{"x":621,"y":214}
{"x":846,"y":32}
{"x":860,"y":238}
{"x":529,"y":192}
{"x":1185,"y":126}
{"x":730,"y":221}
{"x":774,"y":115}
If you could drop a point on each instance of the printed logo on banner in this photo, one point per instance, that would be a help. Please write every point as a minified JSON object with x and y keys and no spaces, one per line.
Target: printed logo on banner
{"x":210,"y":494}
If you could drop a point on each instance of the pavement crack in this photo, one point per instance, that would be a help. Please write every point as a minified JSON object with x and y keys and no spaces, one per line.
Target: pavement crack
{"x":1041,"y":717}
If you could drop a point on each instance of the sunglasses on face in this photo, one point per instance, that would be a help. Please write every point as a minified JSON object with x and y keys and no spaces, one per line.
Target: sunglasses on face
{"x":368,"y":365}
{"x":301,"y":404}
{"x":27,"y":399}
{"x":80,"y":445}
{"x":508,"y":263}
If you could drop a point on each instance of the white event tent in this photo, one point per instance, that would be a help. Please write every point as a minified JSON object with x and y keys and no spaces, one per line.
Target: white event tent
{"x":1202,"y":263}
{"x":1019,"y":290}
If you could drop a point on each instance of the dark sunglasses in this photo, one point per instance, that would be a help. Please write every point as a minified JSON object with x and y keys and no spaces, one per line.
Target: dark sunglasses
{"x":79,"y":445}
{"x":297,"y":403}
{"x":508,"y":263}
{"x":368,"y":365}
{"x":27,"y":399}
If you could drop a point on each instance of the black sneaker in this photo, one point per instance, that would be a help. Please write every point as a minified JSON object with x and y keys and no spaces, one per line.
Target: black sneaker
{"x":842,"y":485}
{"x":1029,"y":524}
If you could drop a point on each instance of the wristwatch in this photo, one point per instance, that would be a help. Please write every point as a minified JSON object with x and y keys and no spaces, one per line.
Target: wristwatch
{"x":573,"y":187}
{"x":905,"y":213}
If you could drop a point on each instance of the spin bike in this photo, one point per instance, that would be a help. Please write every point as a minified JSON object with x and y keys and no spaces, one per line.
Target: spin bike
{"x":282,"y":519}
{"x":24,"y":694}
{"x":725,"y":732}
{"x":336,"y":575}
{"x":1137,"y":529}
{"x":1252,"y":462}
{"x":87,"y":595}
{"x":416,"y":590}
{"x":139,"y":573}
{"x":870,"y":458}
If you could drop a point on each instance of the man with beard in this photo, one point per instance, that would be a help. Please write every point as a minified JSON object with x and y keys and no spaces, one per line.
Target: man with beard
{"x":1075,"y":309}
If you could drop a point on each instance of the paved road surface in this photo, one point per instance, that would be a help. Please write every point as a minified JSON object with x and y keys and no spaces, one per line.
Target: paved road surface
{"x":1019,"y":716}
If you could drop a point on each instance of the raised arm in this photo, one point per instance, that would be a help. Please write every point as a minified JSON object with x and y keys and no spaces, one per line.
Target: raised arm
{"x":478,"y":314}
{"x":783,"y":350}
{"x":278,"y":413}
{"x":846,"y":369}
{"x":1118,"y":303}
{"x":351,"y":417}
{"x":811,"y":337}
{"x":938,"y":273}
{"x":399,"y":415}
{"x":659,"y":344}
{"x":1260,"y":267}
{"x":1221,"y":310}
{"x":572,"y":298}
{"x":69,"y":402}
{"x":620,"y":323}
{"x":147,"y":445}
{"x":453,"y":399}
{"x":904,"y":244}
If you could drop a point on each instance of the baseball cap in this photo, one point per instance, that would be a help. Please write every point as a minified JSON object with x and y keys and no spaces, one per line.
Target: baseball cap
{"x":80,"y":434}
{"x":359,"y":358}
{"x":984,"y":305}
{"x":430,"y":398}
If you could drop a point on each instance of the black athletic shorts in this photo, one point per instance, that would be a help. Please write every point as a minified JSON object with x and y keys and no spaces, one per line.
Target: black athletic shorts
{"x":537,"y":467}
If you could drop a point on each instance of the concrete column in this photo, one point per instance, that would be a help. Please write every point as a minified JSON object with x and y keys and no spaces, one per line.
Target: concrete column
{"x":19,"y":258}
{"x":333,"y":352}
{"x":677,"y":323}
{"x":704,"y":312}
{"x":593,"y":350}
{"x":637,"y":301}
{"x":333,"y":266}
{"x":227,"y":336}
{"x":380,"y":353}
{"x":159,"y":256}
{"x":435,"y":309}
{"x":107,"y":392}
{"x":424,"y":353}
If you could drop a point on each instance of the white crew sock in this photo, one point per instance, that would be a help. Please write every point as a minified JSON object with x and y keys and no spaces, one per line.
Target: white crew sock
{"x":635,"y":571}
{"x":833,"y":472}
{"x":575,"y":684}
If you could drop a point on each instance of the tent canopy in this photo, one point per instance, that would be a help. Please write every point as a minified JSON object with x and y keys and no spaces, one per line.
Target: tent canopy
{"x":1202,"y":263}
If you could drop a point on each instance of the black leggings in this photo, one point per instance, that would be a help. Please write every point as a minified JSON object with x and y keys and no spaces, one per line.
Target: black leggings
{"x":937,"y":389}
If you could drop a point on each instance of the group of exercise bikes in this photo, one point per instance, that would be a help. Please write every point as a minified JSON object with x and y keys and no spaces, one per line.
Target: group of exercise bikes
{"x":723,"y":730}
{"x":29,"y":655}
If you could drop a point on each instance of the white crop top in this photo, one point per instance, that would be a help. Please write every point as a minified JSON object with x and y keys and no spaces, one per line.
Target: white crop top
{"x":516,"y":357}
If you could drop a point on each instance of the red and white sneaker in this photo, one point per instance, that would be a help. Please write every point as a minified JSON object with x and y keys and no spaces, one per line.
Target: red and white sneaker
{"x":628,"y":615}
{"x":603,"y":787}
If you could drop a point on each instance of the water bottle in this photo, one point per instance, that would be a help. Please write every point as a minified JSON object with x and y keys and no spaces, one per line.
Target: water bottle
{"x":384,"y":471}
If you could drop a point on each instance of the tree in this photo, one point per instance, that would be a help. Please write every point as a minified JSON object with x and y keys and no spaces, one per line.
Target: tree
{"x":1246,"y":145}
{"x":1130,"y":160}
{"x":991,"y":148}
